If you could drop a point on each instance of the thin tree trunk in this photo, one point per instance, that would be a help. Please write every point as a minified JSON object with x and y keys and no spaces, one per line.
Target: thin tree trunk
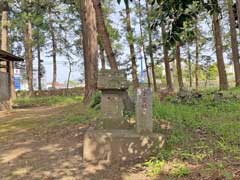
{"x":234,"y":42}
{"x":151,"y":48}
{"x":189,"y":66}
{"x":103,"y":34}
{"x":39,"y":66}
{"x":54,"y":49}
{"x":219,"y":52}
{"x":69,"y":74}
{"x":142,"y":44}
{"x":131,"y":47}
{"x":102,"y":57}
{"x":28,"y":54}
{"x":90,"y":48}
{"x":179,"y":66}
{"x":166,"y":61}
{"x":197,"y":63}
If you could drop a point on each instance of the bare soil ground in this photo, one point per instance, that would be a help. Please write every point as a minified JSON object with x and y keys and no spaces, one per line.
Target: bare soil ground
{"x":39,"y":144}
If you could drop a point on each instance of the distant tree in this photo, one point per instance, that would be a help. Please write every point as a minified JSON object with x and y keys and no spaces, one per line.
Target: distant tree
{"x":143,"y":48}
{"x":179,"y":66}
{"x":166,"y":60}
{"x":150,"y":44}
{"x":130,"y":39}
{"x":234,"y":42}
{"x":218,"y":45}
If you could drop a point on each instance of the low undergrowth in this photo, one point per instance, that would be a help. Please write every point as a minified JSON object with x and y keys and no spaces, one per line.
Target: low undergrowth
{"x":199,"y":129}
{"x":46,"y":101}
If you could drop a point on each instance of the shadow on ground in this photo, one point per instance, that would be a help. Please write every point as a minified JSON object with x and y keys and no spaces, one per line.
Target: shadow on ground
{"x":37,"y":151}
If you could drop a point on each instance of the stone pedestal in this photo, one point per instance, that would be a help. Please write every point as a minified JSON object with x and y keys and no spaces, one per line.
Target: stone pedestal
{"x":112,"y":141}
{"x":119,"y":145}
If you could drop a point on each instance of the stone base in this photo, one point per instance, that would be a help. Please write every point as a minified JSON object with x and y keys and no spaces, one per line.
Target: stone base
{"x":119,"y":145}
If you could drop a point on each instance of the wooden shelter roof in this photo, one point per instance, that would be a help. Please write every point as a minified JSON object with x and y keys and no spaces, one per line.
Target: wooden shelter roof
{"x":5,"y":56}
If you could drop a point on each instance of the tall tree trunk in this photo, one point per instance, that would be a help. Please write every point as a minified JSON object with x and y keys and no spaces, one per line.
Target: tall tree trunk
{"x":39,"y":66}
{"x":179,"y":66}
{"x":219,"y":52}
{"x":90,"y":48}
{"x":131,"y":47}
{"x":151,"y":48}
{"x":189,"y":66}
{"x":238,"y":12}
{"x":142,"y":43}
{"x":4,"y":46}
{"x":197,"y":63}
{"x":234,"y":42}
{"x":103,"y":34}
{"x":4,"y":29}
{"x":28,"y":54}
{"x":54,"y":49}
{"x":102,"y":57}
{"x":166,"y":61}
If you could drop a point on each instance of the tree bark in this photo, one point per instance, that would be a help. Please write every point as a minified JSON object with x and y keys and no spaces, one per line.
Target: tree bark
{"x":150,"y":48}
{"x":131,"y":48}
{"x":238,"y":12}
{"x":103,"y":34}
{"x":166,"y":62}
{"x":39,"y":65}
{"x":179,"y":66}
{"x":234,"y":42}
{"x":4,"y":46}
{"x":28,"y":54}
{"x":197,"y":63}
{"x":219,"y":52}
{"x":142,"y":44}
{"x":189,"y":66}
{"x":90,"y":48}
{"x":54,"y":49}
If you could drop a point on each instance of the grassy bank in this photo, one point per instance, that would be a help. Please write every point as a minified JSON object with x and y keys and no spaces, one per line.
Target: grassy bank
{"x":202,"y":130}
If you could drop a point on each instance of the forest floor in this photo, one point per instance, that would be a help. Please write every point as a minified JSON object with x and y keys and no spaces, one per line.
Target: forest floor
{"x":46,"y":142}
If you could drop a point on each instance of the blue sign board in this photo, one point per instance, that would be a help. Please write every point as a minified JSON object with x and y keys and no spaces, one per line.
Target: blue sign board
{"x":17,"y":83}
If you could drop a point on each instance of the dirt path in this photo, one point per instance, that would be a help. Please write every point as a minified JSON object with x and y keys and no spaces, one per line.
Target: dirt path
{"x":33,"y":146}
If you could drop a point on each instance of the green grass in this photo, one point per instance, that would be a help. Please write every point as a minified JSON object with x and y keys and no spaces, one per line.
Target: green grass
{"x":199,"y":128}
{"x":47,"y":101}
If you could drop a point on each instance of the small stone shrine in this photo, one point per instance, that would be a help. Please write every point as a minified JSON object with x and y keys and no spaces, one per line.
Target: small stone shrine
{"x":113,"y":85}
{"x":113,"y":141}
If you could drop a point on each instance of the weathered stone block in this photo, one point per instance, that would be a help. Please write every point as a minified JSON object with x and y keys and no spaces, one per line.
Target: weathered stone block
{"x":109,"y":79}
{"x":144,"y":110}
{"x":119,"y":145}
{"x":112,"y":110}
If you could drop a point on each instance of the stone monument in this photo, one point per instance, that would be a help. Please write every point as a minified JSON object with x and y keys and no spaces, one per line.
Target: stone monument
{"x":113,"y":140}
{"x":113,"y":85}
{"x":144,"y":111}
